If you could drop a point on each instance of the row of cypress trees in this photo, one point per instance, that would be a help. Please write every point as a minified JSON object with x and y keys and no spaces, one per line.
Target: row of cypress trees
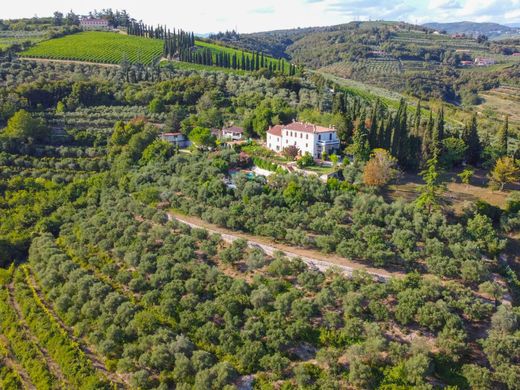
{"x":242,"y":61}
{"x":411,"y":139}
{"x":181,"y":45}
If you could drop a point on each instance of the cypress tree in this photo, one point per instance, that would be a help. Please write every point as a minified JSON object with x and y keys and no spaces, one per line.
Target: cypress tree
{"x":360,"y":147}
{"x":440,"y":124}
{"x":502,"y":138}
{"x":436,"y":140}
{"x":417,"y":119}
{"x":472,"y":140}
{"x":372,"y":134}
{"x":427,"y":140}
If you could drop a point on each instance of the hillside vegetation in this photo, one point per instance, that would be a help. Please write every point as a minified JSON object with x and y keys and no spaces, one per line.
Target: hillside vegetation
{"x":94,"y":46}
{"x":102,"y":287}
{"x":492,"y":30}
{"x":397,"y":56}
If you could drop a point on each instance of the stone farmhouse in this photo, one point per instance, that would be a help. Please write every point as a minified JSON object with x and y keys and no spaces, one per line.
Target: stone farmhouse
{"x":305,"y":136}
{"x":94,"y":24}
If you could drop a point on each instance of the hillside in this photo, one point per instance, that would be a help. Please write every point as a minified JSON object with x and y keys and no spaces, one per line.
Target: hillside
{"x":115,"y":48}
{"x":398,"y":56}
{"x":474,"y":28}
{"x":372,"y":247}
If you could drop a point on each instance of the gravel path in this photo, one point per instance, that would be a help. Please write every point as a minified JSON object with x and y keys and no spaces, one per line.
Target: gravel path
{"x":311,"y":257}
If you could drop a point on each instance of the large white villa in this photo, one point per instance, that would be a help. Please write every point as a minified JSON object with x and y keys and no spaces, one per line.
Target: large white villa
{"x":305,"y":136}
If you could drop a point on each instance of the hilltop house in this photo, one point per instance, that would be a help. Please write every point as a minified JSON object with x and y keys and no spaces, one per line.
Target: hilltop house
{"x":94,"y":24}
{"x":481,"y":61}
{"x":176,"y":139}
{"x":234,"y":133}
{"x":305,"y":136}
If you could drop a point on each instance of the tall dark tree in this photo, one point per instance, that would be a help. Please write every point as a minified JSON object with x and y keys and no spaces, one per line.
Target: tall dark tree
{"x":417,"y":119}
{"x":502,"y":138}
{"x":372,"y":133}
{"x":427,"y":145}
{"x":360,"y":147}
{"x":471,"y":138}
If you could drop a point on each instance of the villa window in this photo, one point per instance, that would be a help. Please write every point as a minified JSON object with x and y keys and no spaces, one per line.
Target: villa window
{"x":319,"y":137}
{"x":307,"y":136}
{"x":330,"y":136}
{"x":301,"y":135}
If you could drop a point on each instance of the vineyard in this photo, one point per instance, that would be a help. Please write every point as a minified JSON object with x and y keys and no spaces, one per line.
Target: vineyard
{"x":102,"y":47}
{"x":216,"y":49}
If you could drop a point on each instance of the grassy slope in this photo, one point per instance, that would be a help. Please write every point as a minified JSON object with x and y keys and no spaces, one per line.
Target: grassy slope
{"x":96,"y":46}
{"x":107,"y":47}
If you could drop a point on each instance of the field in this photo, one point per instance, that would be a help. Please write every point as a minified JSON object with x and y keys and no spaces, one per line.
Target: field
{"x":9,"y":38}
{"x":229,"y":50}
{"x":104,"y":47}
{"x":502,"y":101}
{"x":457,"y":195}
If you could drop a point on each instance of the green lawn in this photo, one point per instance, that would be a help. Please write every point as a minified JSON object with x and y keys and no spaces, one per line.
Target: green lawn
{"x":97,"y":46}
{"x":321,"y":170}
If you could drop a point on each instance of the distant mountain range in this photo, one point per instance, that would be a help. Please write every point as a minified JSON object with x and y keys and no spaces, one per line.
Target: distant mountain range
{"x":491,"y":30}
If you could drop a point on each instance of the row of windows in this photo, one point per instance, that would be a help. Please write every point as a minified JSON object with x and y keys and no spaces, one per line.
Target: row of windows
{"x":290,"y":134}
{"x":287,"y":141}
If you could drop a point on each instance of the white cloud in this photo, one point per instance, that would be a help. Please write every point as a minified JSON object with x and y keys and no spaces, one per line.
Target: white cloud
{"x":248,"y":16}
{"x":443,"y":4}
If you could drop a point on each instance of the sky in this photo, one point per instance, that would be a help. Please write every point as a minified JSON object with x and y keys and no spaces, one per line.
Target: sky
{"x":204,"y":16}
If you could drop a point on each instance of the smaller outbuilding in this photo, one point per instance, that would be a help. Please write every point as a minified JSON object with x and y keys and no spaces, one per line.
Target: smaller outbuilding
{"x":234,"y":133}
{"x":176,"y":139}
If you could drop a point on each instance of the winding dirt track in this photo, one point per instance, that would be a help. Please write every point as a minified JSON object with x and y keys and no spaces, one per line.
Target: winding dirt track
{"x":47,"y":60}
{"x":311,"y":257}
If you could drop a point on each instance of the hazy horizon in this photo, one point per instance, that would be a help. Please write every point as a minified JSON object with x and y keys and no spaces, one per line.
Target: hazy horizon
{"x":205,"y":16}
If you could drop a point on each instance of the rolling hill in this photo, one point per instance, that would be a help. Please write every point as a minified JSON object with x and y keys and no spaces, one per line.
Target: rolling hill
{"x":474,"y":28}
{"x":113,"y":48}
{"x":398,"y":56}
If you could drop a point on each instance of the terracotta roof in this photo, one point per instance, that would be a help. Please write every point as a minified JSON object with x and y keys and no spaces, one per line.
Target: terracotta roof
{"x":307,"y":127}
{"x":275,"y":130}
{"x":233,"y":129}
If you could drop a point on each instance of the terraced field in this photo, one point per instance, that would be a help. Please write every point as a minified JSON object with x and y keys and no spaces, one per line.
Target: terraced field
{"x":95,"y":46}
{"x":504,"y":101}
{"x":9,"y":38}
{"x":36,"y":350}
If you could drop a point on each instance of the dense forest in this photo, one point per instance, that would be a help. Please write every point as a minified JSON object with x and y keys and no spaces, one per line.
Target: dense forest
{"x":102,"y":287}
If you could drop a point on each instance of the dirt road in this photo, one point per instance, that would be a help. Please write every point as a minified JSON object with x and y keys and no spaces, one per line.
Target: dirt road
{"x":45,"y":60}
{"x":311,"y":257}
